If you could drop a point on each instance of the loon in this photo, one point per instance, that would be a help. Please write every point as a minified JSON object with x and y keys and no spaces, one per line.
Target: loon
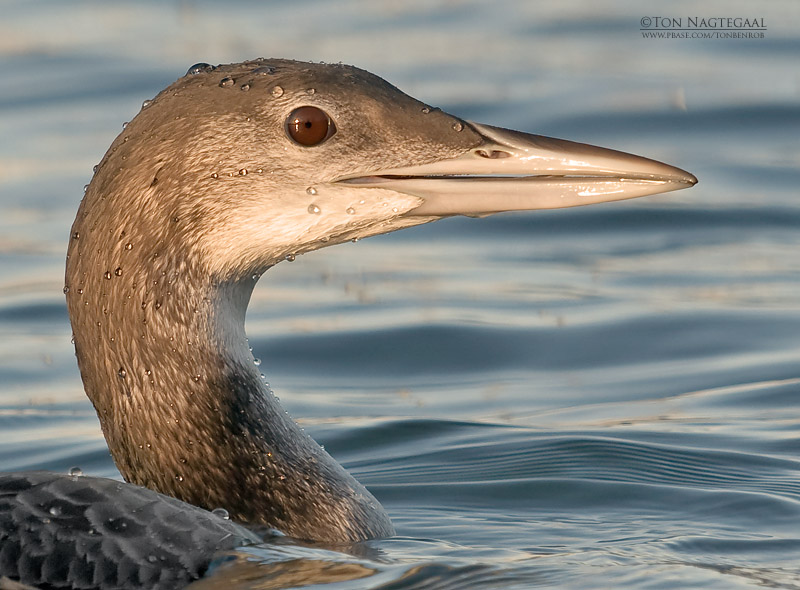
{"x":225,"y":173}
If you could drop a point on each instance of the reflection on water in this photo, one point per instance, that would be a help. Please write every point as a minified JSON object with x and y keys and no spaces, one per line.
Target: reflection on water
{"x":599,"y":397}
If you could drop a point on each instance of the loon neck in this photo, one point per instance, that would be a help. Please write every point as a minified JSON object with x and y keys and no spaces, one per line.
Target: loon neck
{"x":163,"y":355}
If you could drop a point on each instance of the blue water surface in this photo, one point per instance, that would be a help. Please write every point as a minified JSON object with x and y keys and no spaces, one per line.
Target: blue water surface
{"x":588,"y":398}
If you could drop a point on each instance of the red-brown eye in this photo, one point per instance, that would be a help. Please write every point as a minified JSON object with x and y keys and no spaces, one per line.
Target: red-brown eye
{"x":309,"y":126}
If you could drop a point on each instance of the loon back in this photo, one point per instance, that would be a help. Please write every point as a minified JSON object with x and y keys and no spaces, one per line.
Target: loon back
{"x":62,"y":531}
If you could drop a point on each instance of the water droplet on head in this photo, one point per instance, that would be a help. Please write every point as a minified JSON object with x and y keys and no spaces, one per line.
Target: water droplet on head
{"x":122,"y":373}
{"x":66,"y":289}
{"x":276,"y":91}
{"x":227,"y":82}
{"x":200,"y":68}
{"x":242,"y":171}
{"x":257,"y":362}
{"x":125,"y":124}
{"x":311,"y":190}
{"x":128,"y":246}
{"x":95,"y":167}
{"x":245,"y":87}
{"x":426,"y":110}
{"x":221,"y":513}
{"x":179,"y":477}
{"x":263,"y":71}
{"x":75,"y":472}
{"x":314,"y":209}
{"x":458,"y":126}
{"x":146,"y":104}
{"x":76,"y":235}
{"x":118,"y":271}
{"x":350,"y":211}
{"x":214,"y":175}
{"x":290,"y":258}
{"x":55,"y":511}
{"x":107,"y":275}
{"x":85,"y":187}
{"x":311,"y":91}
